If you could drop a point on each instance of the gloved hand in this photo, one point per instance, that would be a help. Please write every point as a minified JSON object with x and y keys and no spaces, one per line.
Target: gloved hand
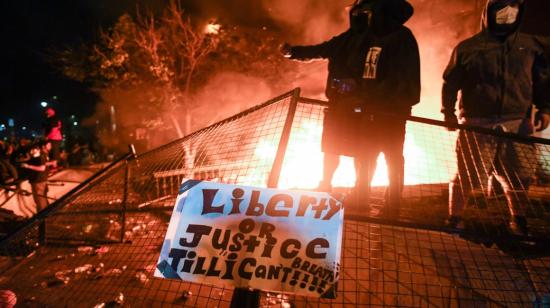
{"x":542,"y":120}
{"x":451,"y":120}
{"x":286,"y":50}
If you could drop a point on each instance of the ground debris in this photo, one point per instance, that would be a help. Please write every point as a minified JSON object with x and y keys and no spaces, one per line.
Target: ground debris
{"x":58,"y":258}
{"x":141,"y":276}
{"x":117,"y":302}
{"x":184,"y":297}
{"x":278,"y":300}
{"x":102,"y":250}
{"x":86,"y":250}
{"x":86,"y":268}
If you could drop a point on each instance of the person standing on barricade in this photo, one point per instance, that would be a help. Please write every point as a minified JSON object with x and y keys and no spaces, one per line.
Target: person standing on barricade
{"x":53,"y":133}
{"x":500,"y":73}
{"x":373,"y":81}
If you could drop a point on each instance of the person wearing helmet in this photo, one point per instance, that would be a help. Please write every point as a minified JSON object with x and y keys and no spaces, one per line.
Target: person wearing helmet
{"x":373,"y":81}
{"x":499,"y":73}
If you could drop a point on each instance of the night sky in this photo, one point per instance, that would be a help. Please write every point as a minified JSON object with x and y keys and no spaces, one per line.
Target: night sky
{"x":30,"y":27}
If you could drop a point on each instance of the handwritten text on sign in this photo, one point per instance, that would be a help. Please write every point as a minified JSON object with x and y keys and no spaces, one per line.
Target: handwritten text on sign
{"x":230,"y":235}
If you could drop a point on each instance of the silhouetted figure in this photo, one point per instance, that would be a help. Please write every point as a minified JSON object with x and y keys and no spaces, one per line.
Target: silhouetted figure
{"x":38,"y":176}
{"x":500,"y":72}
{"x":54,"y":134}
{"x":8,"y":172}
{"x":373,"y":81}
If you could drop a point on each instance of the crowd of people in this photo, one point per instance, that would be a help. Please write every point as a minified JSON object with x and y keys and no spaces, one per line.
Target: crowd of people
{"x":36,"y":159}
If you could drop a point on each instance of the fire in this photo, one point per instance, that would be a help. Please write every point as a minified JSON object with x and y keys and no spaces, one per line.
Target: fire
{"x":303,"y":163}
{"x":212,"y":28}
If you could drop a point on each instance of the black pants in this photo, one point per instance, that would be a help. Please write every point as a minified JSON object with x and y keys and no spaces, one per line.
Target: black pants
{"x":54,"y":153}
{"x":382,"y":134}
{"x":39,"y":195}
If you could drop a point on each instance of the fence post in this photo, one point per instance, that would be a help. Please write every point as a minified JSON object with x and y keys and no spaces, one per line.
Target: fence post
{"x":133,"y":155}
{"x":124,"y":200}
{"x":247,"y":298}
{"x":275,"y":173}
{"x":42,"y":232}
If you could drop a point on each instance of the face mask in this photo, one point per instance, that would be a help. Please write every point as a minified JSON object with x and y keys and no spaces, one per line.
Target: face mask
{"x":362,"y":14}
{"x":507,"y":15}
{"x":361,"y":18}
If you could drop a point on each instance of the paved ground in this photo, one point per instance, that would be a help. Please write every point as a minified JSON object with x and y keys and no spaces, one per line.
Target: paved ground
{"x":382,"y":265}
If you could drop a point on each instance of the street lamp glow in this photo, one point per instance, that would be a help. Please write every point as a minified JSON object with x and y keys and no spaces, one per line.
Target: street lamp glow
{"x":212,"y":28}
{"x":44,"y":104}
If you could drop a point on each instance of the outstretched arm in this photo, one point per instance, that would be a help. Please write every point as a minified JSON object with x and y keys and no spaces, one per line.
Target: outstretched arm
{"x":40,"y":168}
{"x":310,"y":52}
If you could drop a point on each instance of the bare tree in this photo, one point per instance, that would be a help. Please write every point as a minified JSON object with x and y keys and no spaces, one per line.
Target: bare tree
{"x":156,"y":63}
{"x":174,"y":48}
{"x":163,"y":53}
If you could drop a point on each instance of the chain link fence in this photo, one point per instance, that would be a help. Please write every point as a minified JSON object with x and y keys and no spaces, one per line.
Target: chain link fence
{"x":99,"y":244}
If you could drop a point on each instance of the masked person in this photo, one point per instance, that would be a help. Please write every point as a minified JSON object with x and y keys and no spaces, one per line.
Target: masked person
{"x":500,"y":72}
{"x":373,"y":81}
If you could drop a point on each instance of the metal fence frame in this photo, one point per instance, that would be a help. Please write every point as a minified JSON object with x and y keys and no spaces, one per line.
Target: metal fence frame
{"x":241,"y":297}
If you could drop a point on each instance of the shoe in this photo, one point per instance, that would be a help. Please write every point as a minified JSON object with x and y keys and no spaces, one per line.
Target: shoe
{"x":454,"y":222}
{"x":518,"y":226}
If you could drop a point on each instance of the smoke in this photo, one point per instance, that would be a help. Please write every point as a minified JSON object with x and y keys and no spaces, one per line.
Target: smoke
{"x":227,"y":94}
{"x":310,"y":21}
{"x":437,"y":25}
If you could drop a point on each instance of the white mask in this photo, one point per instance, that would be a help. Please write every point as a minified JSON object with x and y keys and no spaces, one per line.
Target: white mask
{"x":507,"y":15}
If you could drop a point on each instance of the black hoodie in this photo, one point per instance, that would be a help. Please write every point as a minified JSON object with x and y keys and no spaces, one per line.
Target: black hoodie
{"x":385,"y":63}
{"x":498,"y":76}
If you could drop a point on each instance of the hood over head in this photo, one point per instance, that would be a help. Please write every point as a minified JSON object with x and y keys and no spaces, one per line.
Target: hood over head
{"x":382,"y":15}
{"x":502,"y":17}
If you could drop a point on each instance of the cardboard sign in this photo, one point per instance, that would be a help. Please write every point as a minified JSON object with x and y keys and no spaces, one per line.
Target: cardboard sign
{"x":267,"y":239}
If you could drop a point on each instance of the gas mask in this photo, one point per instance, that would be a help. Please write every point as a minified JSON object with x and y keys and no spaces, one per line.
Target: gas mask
{"x":361,"y":19}
{"x":507,"y":15}
{"x":361,"y":16}
{"x":504,"y":17}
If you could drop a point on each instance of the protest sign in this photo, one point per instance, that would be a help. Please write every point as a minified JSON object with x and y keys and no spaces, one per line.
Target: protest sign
{"x":267,"y":239}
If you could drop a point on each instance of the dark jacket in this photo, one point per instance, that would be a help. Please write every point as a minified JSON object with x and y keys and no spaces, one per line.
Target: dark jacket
{"x":385,"y":68}
{"x":498,"y":77}
{"x":38,"y":176}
